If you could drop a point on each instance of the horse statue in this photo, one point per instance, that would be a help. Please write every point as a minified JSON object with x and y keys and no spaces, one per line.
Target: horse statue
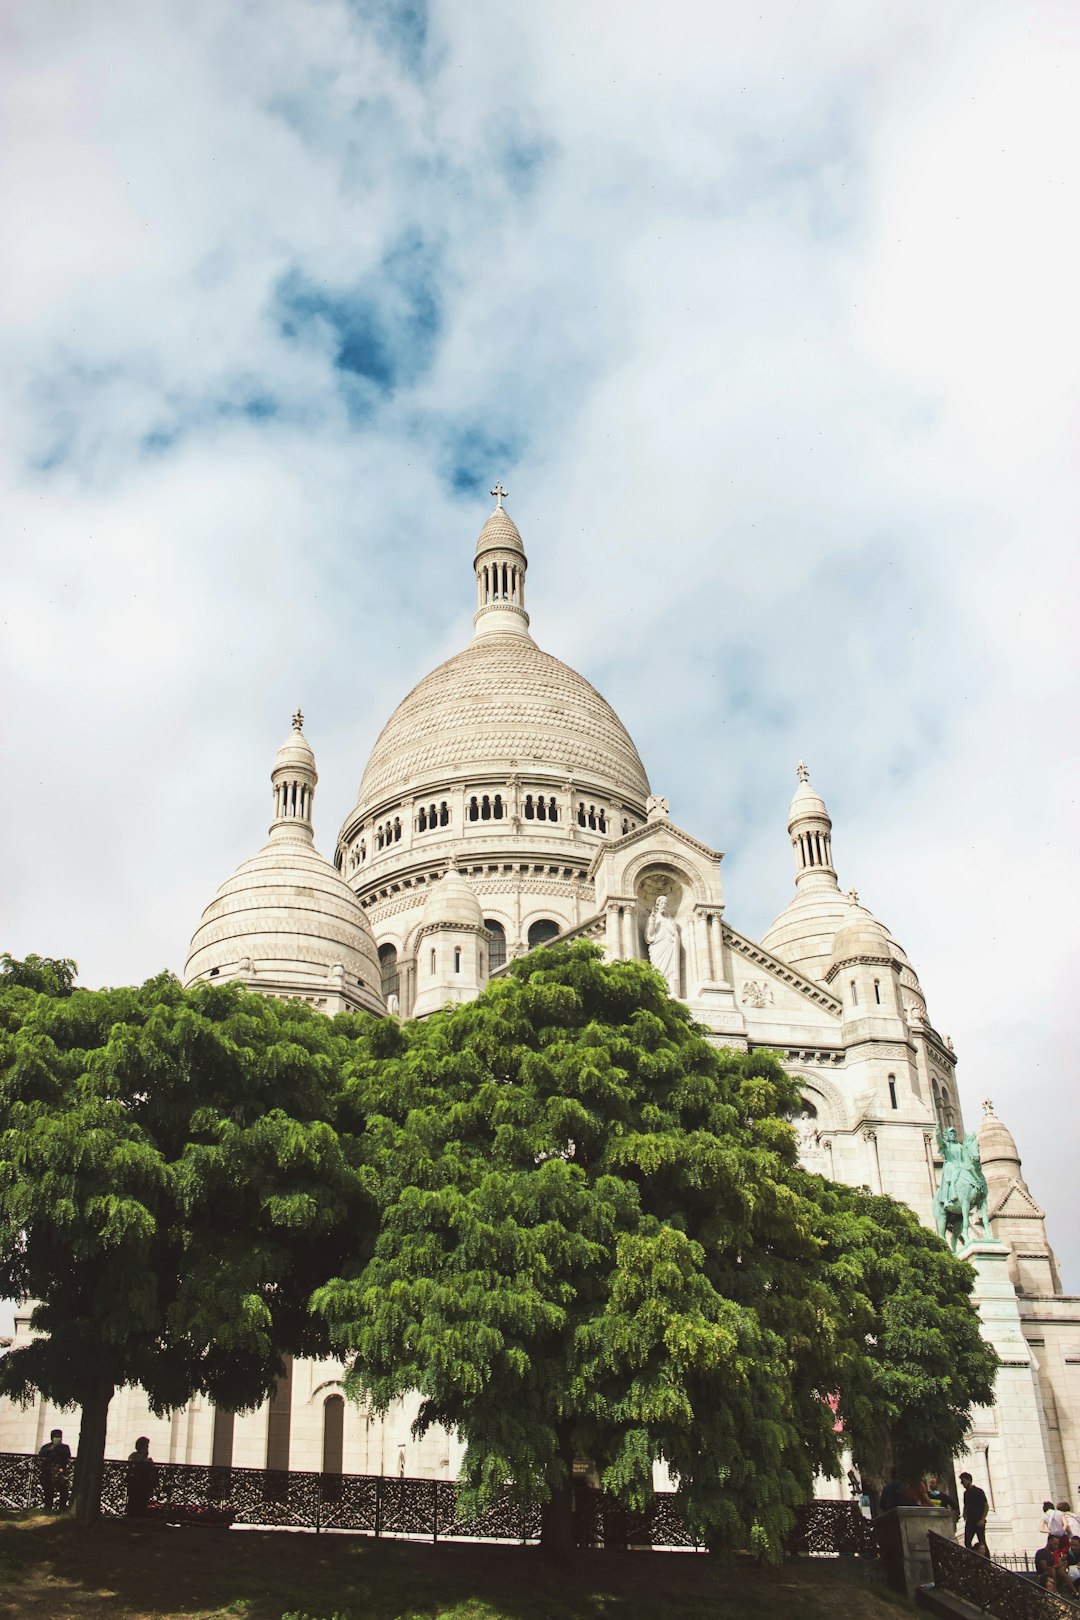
{"x":963,"y":1188}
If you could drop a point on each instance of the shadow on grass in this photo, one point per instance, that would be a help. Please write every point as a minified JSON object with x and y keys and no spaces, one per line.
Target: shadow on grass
{"x":127,"y":1571}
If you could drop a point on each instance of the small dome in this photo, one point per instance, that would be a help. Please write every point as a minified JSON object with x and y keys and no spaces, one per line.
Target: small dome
{"x":295,"y":752}
{"x":806,"y":802}
{"x":861,"y":935}
{"x":995,"y":1139}
{"x":452,"y":900}
{"x":500,"y":532}
{"x":285,"y":920}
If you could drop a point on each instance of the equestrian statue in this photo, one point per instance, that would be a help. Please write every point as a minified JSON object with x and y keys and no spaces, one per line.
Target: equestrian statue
{"x":963,"y":1188}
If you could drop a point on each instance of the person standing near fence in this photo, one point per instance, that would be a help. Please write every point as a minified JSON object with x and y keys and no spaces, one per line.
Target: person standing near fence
{"x":975,"y":1509}
{"x":141,"y":1478}
{"x":54,"y":1464}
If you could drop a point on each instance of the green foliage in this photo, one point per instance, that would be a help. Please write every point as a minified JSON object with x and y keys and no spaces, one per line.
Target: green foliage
{"x":172,"y":1186}
{"x":596,"y":1243}
{"x":45,"y":975}
{"x":919,"y":1362}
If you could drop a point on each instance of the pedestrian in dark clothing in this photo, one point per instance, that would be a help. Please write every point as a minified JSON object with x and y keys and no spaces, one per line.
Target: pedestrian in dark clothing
{"x":894,"y":1495}
{"x":975,"y":1509}
{"x":141,"y":1478}
{"x":54,"y":1461}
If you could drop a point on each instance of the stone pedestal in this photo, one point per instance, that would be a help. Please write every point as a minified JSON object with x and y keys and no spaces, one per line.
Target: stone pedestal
{"x":905,"y":1550}
{"x":1007,"y":1447}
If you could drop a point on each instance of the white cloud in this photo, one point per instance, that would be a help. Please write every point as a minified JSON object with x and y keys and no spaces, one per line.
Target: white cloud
{"x":764,"y":314}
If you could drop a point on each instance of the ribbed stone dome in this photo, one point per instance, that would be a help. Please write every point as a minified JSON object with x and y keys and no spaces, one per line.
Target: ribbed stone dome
{"x":861,"y":935}
{"x":289,"y":917}
{"x":803,"y":934}
{"x":996,"y":1141}
{"x":501,"y":704}
{"x":500,"y":532}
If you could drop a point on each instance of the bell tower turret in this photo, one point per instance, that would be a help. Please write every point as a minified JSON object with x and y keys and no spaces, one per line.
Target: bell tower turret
{"x":500,"y":565}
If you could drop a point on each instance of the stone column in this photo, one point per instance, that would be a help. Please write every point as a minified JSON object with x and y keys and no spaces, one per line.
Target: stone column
{"x":613,"y":940}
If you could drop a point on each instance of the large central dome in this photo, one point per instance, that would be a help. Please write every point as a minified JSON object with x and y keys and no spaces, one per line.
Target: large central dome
{"x":501,"y":704}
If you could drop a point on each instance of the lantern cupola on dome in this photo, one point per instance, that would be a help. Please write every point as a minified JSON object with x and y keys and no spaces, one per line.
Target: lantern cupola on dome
{"x":500,"y":564}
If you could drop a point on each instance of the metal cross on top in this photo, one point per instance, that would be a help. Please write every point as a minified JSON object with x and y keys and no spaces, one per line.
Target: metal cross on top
{"x":298,"y":721}
{"x":804,"y":774}
{"x":500,"y":495}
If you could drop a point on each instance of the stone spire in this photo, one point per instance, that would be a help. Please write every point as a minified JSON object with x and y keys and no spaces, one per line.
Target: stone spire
{"x":500,"y":565}
{"x":294,"y":777}
{"x":810,"y":829}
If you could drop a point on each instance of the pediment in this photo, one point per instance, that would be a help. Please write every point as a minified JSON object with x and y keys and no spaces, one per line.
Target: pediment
{"x":1016,"y":1203}
{"x":769,"y":967}
{"x":662,"y":833}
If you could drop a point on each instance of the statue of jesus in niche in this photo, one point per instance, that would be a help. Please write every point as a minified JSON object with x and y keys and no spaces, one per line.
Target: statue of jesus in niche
{"x":662,"y":938}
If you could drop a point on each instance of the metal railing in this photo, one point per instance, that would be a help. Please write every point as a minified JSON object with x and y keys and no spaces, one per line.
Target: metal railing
{"x":996,"y":1590}
{"x":431,"y":1509}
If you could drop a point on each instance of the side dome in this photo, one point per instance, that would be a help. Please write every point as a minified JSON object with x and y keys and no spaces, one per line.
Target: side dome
{"x":996,"y":1141}
{"x":452,"y":900}
{"x":286,"y":922}
{"x":499,"y":705}
{"x":861,"y":935}
{"x":803,"y":934}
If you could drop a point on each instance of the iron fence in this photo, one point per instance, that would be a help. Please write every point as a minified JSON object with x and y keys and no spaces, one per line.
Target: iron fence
{"x":991,"y":1588}
{"x":430,"y":1509}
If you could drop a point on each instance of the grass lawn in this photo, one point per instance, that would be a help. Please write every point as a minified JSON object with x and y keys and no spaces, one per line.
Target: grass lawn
{"x":52,"y":1570}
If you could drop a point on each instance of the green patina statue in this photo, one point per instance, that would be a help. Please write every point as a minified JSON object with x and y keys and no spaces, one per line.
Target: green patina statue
{"x":963,"y":1188}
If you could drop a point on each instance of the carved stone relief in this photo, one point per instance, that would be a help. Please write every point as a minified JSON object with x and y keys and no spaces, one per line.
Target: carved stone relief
{"x":757,"y":993}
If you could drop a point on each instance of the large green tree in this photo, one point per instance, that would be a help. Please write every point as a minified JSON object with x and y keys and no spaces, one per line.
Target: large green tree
{"x":596,"y":1243}
{"x":172,"y":1187}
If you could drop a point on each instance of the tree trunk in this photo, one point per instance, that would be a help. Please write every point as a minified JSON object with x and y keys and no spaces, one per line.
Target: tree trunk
{"x":557,"y":1516}
{"x":90,"y":1463}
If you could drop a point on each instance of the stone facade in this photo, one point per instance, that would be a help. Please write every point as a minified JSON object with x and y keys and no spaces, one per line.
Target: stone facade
{"x":504,"y":804}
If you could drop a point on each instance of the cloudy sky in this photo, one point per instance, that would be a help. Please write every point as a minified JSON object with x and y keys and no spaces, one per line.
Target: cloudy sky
{"x":764,"y":313}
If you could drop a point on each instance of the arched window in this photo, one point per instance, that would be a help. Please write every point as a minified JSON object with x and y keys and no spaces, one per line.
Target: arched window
{"x":541,"y":931}
{"x":333,"y":1434}
{"x":497,"y":807}
{"x":485,"y":808}
{"x":397,"y":829}
{"x":601,"y":822}
{"x":457,"y":958}
{"x":388,"y":966}
{"x":854,"y":994}
{"x":421,"y":820}
{"x":877,"y":991}
{"x":530,"y":808}
{"x":433,"y":963}
{"x":498,"y":943}
{"x":541,"y":809}
{"x":474,"y":809}
{"x":444,"y":814}
{"x":892,"y":1091}
{"x":553,"y":810}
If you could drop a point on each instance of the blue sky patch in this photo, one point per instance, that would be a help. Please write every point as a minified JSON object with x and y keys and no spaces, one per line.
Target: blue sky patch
{"x":382,"y":331}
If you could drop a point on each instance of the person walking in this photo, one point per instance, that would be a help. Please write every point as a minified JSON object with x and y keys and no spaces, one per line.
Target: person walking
{"x":975,"y":1508}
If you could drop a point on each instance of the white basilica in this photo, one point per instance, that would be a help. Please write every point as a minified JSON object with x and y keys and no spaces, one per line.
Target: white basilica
{"x":505,"y":805}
